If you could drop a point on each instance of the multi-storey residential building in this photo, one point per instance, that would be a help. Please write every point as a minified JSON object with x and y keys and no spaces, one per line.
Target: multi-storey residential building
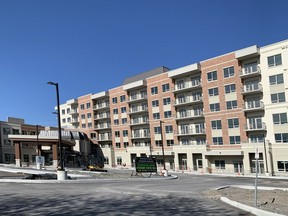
{"x":211,"y":116}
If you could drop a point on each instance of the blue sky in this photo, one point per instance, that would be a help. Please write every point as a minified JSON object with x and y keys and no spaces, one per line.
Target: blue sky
{"x":89,"y":46}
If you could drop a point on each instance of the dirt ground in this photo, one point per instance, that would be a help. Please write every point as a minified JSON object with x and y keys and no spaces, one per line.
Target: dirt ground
{"x":275,"y":201}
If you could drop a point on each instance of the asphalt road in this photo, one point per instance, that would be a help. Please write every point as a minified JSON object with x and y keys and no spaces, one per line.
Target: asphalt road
{"x":183,"y":196}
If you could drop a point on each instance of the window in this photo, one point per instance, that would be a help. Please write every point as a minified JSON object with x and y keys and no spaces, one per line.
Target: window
{"x":165,"y":87}
{"x":282,"y":166}
{"x":89,"y":125}
{"x":123,"y":109}
{"x":116,"y":121}
{"x":231,"y":104}
{"x":156,"y":115}
{"x":155,"y":103}
{"x":68,"y":110}
{"x":166,"y":101}
{"x":117,"y":133}
{"x":119,"y":160}
{"x":124,"y":120}
{"x":280,"y":118}
{"x":126,"y":144}
{"x":7,"y":142}
{"x":276,"y":79}
{"x":274,"y":60}
{"x":7,"y":157}
{"x":257,"y":138}
{"x":118,"y":145}
{"x":26,"y":158}
{"x":106,"y":160}
{"x":6,"y":131}
{"x":233,"y":123}
{"x":88,"y":115}
{"x":167,"y":114}
{"x":88,"y":105}
{"x":281,"y":138}
{"x":63,"y":111}
{"x":82,"y":107}
{"x":213,"y":91}
{"x":114,"y":100}
{"x":158,"y":143}
{"x":154,"y":90}
{"x":115,"y":111}
{"x":230,"y":88}
{"x":170,"y":142}
{"x":168,"y":128}
{"x":212,"y":76}
{"x":69,"y":120}
{"x":217,"y":141}
{"x":278,"y":97}
{"x":83,"y":116}
{"x":220,"y":164}
{"x":214,"y":107}
{"x":125,"y":133}
{"x":228,"y":72}
{"x":157,"y":130}
{"x":64,"y":120}
{"x":93,"y":135}
{"x":234,"y":139}
{"x":122,"y":98}
{"x":216,"y":125}
{"x":83,"y":125}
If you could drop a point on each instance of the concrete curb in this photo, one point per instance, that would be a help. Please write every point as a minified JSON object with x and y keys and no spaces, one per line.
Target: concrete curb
{"x":253,"y":210}
{"x":256,"y":211}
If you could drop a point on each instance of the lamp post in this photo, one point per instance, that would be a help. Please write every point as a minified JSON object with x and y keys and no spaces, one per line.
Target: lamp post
{"x":59,"y":124}
{"x":265,"y":154}
{"x":163,"y":155}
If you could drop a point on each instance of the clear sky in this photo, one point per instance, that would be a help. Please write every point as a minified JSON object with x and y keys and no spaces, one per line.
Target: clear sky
{"x":89,"y":46}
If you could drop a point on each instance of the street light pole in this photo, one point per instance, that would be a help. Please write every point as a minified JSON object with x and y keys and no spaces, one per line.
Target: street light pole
{"x":163,"y":154}
{"x":59,"y":125}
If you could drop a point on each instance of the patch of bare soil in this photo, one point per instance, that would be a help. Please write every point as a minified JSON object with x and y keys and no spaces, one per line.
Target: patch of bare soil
{"x":275,"y":201}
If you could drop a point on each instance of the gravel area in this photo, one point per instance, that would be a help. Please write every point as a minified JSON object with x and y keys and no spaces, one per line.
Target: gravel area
{"x":269,"y":200}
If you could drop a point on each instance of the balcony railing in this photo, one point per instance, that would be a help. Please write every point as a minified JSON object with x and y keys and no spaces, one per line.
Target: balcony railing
{"x":250,"y":71}
{"x":101,"y":106}
{"x":190,"y":131}
{"x":252,"y":88}
{"x":188,"y":100}
{"x":187,"y":85}
{"x":138,"y":110}
{"x":253,"y":106}
{"x":73,"y":112}
{"x":189,"y":114}
{"x":139,"y":121}
{"x":140,"y":135}
{"x":105,"y":138}
{"x":103,"y":116}
{"x":255,"y":127}
{"x":137,"y":98}
{"x":102,"y":127}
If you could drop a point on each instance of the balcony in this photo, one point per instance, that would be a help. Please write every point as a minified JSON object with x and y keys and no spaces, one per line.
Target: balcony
{"x":187,"y":86}
{"x":104,"y":138}
{"x":188,"y":100}
{"x":250,"y":71}
{"x":140,"y":135}
{"x":252,"y":89}
{"x":102,"y":127}
{"x":139,"y":121}
{"x":138,"y":110}
{"x":189,"y":115}
{"x":101,"y":106}
{"x":75,"y":121}
{"x":137,"y":98}
{"x":74,"y":112}
{"x":102,"y":116}
{"x":261,"y":126}
{"x":191,"y":132}
{"x":252,"y":106}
